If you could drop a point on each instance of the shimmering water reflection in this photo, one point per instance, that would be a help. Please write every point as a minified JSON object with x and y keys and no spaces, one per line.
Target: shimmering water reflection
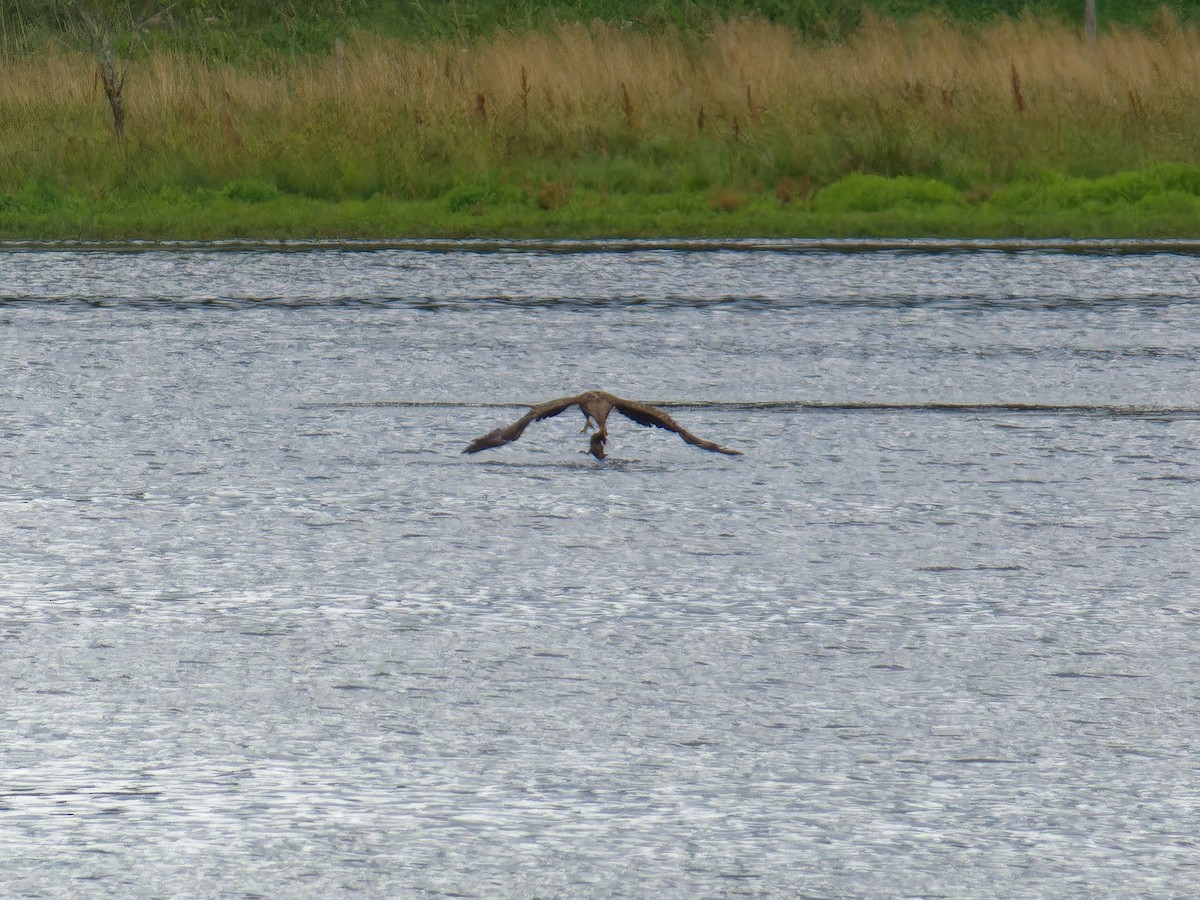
{"x":267,"y":631}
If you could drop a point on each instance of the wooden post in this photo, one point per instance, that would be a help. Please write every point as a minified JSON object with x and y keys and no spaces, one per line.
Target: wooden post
{"x":1089,"y":20}
{"x":114,"y":84}
{"x":112,"y":70}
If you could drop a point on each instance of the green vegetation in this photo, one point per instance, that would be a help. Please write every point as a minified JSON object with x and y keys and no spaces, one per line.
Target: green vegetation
{"x":1155,"y":202}
{"x":254,"y":30}
{"x":481,"y":117}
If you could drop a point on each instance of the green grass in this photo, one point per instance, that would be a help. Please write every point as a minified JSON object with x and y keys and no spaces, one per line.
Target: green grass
{"x":1016,"y":128}
{"x":1160,"y":201}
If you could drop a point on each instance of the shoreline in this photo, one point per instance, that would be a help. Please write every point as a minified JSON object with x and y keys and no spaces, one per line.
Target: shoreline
{"x":1082,"y":246}
{"x":1160,"y":202}
{"x":1017,"y":129}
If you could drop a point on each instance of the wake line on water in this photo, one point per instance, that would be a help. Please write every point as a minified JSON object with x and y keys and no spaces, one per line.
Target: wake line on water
{"x":1061,"y":409}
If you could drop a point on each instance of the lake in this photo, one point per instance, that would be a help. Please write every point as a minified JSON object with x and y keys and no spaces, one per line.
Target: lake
{"x":266,"y":631}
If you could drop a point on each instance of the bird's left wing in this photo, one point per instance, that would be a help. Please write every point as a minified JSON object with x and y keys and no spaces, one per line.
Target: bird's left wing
{"x":509,"y":433}
{"x":644,"y":414}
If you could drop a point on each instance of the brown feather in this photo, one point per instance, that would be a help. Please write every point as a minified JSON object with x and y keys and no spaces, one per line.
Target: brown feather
{"x":652,"y":416}
{"x":507,"y":434}
{"x":595,"y":405}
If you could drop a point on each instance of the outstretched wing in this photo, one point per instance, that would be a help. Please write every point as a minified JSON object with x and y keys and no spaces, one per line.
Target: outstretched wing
{"x":645,"y":414}
{"x":509,"y":433}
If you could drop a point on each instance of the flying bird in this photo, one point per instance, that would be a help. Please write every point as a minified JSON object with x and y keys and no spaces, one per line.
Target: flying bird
{"x":596,"y":405}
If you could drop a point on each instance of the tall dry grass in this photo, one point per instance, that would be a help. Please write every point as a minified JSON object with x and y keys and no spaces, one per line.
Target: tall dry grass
{"x":751,"y":102}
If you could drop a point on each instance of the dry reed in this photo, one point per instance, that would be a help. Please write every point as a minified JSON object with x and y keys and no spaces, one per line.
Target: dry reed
{"x":913,"y":97}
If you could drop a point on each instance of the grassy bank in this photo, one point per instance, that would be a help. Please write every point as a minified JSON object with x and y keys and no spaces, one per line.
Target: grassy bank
{"x":1018,"y":127}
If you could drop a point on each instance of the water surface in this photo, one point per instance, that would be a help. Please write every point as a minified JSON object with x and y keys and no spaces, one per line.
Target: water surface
{"x":266,"y":631}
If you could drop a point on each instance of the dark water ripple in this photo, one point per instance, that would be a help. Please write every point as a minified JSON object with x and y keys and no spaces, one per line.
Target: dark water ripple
{"x":267,"y":631}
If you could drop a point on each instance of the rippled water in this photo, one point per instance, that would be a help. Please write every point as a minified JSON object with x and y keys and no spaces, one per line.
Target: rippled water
{"x":266,"y":631}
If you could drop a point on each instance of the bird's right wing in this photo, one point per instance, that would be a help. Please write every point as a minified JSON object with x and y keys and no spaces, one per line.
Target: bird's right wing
{"x":645,"y":414}
{"x":509,"y":433}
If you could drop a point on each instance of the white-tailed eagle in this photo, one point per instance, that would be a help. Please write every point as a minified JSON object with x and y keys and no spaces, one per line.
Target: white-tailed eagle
{"x":596,"y":405}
